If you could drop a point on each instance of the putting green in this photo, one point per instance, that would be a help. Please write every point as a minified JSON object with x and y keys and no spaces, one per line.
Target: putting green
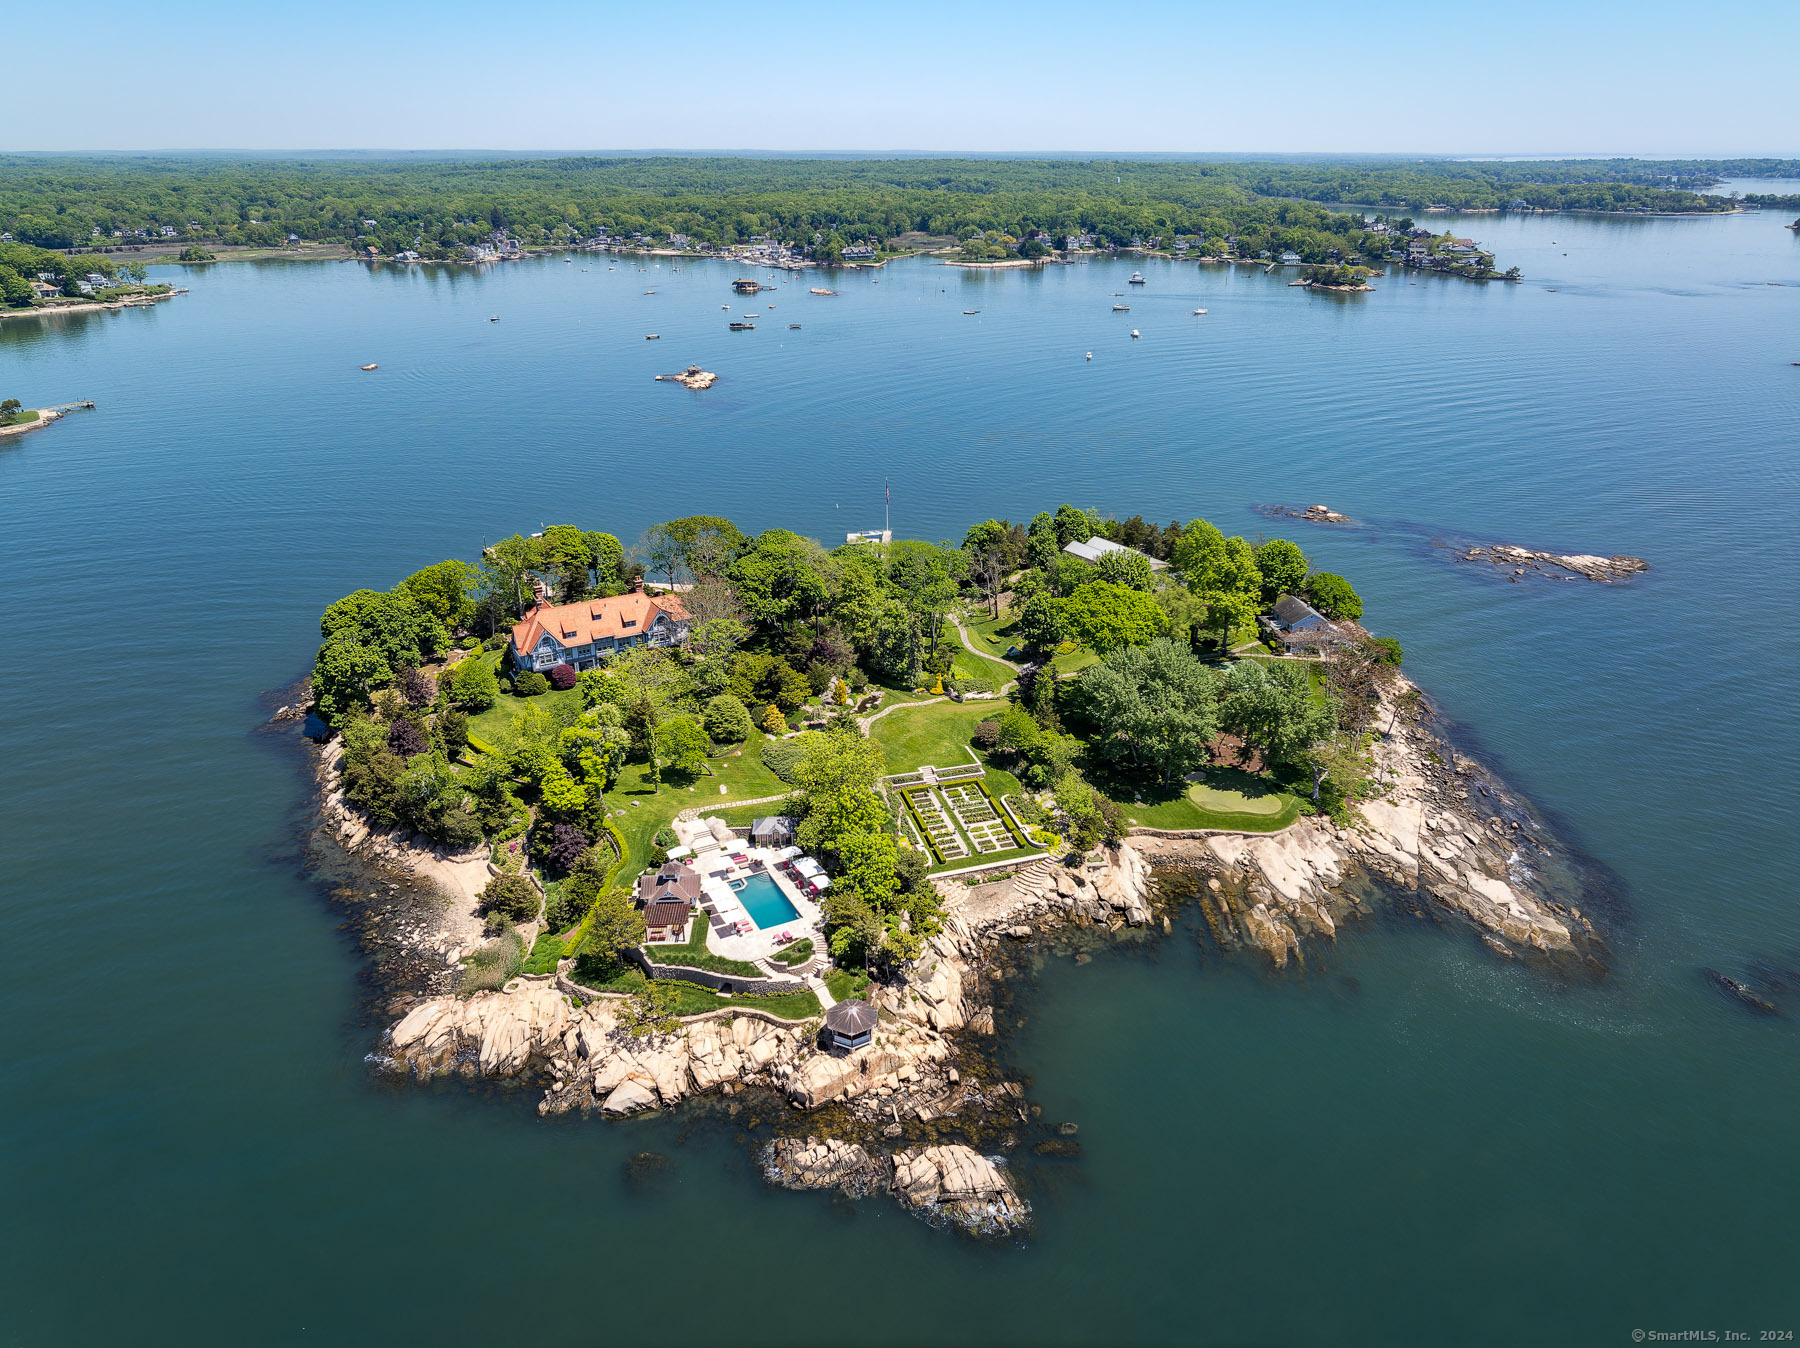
{"x":1219,"y":801}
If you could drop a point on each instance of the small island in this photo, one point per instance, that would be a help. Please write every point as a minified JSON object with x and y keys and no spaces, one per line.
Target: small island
{"x":746,"y":815}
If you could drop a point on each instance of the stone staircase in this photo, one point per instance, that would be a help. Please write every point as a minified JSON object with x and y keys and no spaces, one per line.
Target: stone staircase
{"x":1033,"y":881}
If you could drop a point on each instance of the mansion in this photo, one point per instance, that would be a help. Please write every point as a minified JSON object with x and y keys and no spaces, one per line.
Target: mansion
{"x":589,"y":633}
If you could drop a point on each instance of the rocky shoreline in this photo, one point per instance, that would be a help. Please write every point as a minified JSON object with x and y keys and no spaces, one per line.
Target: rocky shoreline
{"x":929,"y":1111}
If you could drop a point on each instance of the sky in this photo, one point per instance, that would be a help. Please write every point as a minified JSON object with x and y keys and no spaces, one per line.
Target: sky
{"x":1527,"y":77}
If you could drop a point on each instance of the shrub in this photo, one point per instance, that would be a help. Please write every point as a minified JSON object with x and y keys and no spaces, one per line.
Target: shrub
{"x":469,"y":644}
{"x":531,"y":684}
{"x":567,"y":843}
{"x":859,"y":681}
{"x":819,"y":677}
{"x":1390,"y":649}
{"x":492,"y":965}
{"x":453,"y":725}
{"x":783,"y":758}
{"x":513,"y":896}
{"x":658,"y":856}
{"x":987,"y":734}
{"x":774,"y":723}
{"x":797,"y":953}
{"x":494,"y":642}
{"x":406,"y":738}
{"x":665,"y":837}
{"x":472,"y":684}
{"x":562,"y":677}
{"x":727,"y":720}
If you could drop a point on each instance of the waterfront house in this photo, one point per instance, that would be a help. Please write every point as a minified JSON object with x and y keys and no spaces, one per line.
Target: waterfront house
{"x":43,"y":290}
{"x":592,"y":631}
{"x":1096,"y":548}
{"x":1299,"y":626}
{"x":859,"y":252}
{"x":1293,"y":614}
{"x":850,"y":1024}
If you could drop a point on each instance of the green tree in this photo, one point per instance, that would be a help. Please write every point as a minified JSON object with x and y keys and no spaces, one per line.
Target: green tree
{"x":1283,"y":567}
{"x":445,"y":590}
{"x":727,"y":720}
{"x":1041,"y":625}
{"x":394,"y":625}
{"x":706,"y":545}
{"x":473,"y":685}
{"x":512,"y":896}
{"x":1332,"y":596}
{"x":614,"y":926}
{"x":682,"y":743}
{"x":344,"y":674}
{"x":837,"y":780}
{"x":606,"y":560}
{"x":1107,"y":617}
{"x":1270,"y":707}
{"x":1129,"y":569}
{"x":1155,"y":708}
{"x":561,"y":794}
{"x":651,"y":1009}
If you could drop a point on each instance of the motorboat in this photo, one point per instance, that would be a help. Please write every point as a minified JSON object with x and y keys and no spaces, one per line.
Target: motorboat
{"x":652,"y":336}
{"x":1121,"y":308}
{"x":1134,"y":333}
{"x":1198,"y":312}
{"x":1137,"y":279}
{"x":740,"y":327}
{"x":371,"y":367}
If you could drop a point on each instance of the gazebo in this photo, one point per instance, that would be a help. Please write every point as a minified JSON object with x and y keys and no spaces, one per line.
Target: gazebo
{"x":850,"y":1024}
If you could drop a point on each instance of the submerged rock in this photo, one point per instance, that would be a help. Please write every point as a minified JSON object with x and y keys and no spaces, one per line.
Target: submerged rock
{"x":1741,"y":994}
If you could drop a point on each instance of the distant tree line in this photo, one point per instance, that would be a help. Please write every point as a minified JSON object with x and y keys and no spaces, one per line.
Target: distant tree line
{"x":437,"y":207}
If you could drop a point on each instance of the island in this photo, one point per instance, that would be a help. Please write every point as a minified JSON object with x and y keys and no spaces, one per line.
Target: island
{"x":747,"y":817}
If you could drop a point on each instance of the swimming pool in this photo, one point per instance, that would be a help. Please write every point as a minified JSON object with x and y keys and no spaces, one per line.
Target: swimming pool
{"x":766,"y":904}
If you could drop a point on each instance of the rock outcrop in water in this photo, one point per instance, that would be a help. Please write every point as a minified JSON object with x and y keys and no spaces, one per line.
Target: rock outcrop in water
{"x":950,"y":1184}
{"x":1557,"y":566}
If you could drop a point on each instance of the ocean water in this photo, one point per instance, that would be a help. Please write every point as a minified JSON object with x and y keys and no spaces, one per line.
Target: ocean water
{"x":1410,"y":1142}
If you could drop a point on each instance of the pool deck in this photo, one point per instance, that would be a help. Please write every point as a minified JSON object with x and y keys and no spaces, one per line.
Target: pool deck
{"x":720,"y":905}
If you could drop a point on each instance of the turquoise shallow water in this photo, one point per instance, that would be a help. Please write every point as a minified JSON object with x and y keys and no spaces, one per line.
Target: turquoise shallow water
{"x":1412,"y":1143}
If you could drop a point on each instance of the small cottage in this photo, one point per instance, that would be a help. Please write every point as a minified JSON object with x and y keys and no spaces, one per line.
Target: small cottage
{"x":776,"y":830}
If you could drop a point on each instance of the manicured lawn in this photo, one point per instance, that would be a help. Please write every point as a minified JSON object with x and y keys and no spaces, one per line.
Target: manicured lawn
{"x":1228,"y":799}
{"x":976,"y":673}
{"x":692,"y":999}
{"x":646,"y":810}
{"x":695,"y":954}
{"x":993,"y":635}
{"x":20,"y":418}
{"x":843,"y":984}
{"x":490,"y":725}
{"x":1071,"y":659}
{"x":937,"y":734}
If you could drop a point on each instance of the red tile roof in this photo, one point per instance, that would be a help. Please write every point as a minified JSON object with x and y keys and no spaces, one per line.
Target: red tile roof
{"x":623,"y":615}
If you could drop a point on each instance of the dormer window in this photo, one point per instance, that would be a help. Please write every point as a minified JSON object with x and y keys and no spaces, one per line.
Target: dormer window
{"x":628,"y":622}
